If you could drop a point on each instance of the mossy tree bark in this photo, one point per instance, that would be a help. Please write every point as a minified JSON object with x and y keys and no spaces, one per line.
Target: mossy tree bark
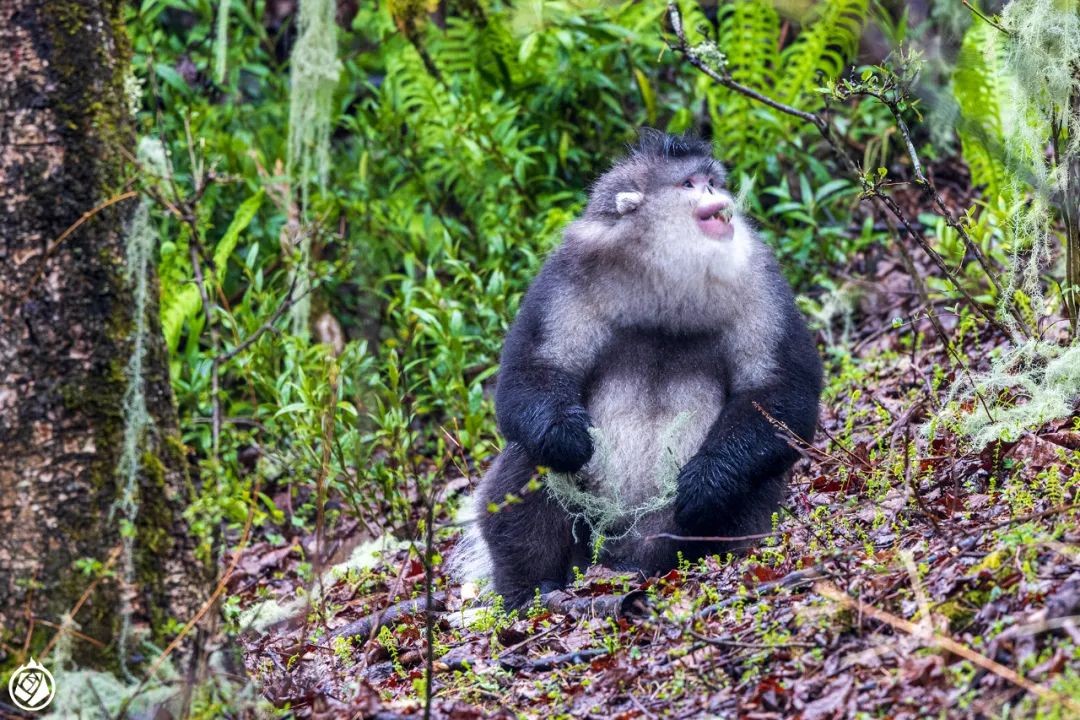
{"x":66,"y":319}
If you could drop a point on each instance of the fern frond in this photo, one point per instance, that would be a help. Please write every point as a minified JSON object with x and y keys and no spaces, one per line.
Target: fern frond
{"x":981,"y":88}
{"x":464,"y":51}
{"x":822,"y":48}
{"x":184,"y":303}
{"x":748,"y":35}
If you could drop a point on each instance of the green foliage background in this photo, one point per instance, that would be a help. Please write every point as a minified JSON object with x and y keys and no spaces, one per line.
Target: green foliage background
{"x":463,"y":137}
{"x":459,"y":150}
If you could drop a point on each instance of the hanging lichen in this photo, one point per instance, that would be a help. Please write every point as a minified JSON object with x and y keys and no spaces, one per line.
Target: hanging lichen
{"x":603,"y":507}
{"x":315,"y":71}
{"x":1027,"y":385}
{"x":139,"y":250}
{"x":1043,"y":55}
{"x":1019,"y":92}
{"x":92,"y":694}
{"x":221,"y":42}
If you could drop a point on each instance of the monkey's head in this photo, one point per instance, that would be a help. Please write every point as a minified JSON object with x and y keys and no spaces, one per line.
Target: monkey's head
{"x":669,"y":188}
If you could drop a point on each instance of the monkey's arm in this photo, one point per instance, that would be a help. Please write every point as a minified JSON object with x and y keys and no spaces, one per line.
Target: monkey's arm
{"x":538,"y":400}
{"x":743,"y":448}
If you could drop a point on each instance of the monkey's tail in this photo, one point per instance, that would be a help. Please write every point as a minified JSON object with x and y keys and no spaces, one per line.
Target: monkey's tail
{"x":470,"y":561}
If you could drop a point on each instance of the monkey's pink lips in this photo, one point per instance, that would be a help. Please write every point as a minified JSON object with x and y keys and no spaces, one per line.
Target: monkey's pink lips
{"x":714,"y":219}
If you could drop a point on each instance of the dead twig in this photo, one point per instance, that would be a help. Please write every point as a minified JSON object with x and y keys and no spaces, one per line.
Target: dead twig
{"x":1032,"y":516}
{"x":109,"y":562}
{"x":34,"y":282}
{"x":944,"y":642}
{"x":711,"y":538}
{"x":792,"y":579}
{"x":988,"y":20}
{"x":369,"y":624}
{"x":550,"y":662}
{"x":288,"y":302}
{"x":631,"y":604}
{"x":531,"y":639}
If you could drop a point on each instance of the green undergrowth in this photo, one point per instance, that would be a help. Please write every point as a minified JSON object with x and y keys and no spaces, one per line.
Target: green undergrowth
{"x":880,"y":516}
{"x":417,"y":189}
{"x":457,"y":153}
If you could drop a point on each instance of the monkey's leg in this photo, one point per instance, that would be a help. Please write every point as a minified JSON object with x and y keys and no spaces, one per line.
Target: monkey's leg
{"x":737,"y":521}
{"x":532,"y":541}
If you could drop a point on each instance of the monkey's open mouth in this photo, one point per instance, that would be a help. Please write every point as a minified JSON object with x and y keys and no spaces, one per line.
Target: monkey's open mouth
{"x":714,"y":219}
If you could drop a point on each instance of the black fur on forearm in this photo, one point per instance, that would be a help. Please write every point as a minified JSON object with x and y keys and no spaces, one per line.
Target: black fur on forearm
{"x":540,"y":408}
{"x":537,"y":404}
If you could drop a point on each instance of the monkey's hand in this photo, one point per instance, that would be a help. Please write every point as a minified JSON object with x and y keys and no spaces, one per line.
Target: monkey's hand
{"x":564,"y":444}
{"x":706,"y":487}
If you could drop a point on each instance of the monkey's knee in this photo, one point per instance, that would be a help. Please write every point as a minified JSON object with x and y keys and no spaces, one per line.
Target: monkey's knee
{"x":529,"y":536}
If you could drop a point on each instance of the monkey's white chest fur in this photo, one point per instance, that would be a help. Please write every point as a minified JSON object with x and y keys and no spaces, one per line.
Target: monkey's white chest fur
{"x":647,"y":427}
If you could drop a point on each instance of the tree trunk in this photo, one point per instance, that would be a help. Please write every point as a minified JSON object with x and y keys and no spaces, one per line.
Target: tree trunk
{"x":67,"y":316}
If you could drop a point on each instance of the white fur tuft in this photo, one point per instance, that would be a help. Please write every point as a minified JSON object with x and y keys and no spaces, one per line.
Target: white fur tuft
{"x":470,"y":561}
{"x":627,"y":202}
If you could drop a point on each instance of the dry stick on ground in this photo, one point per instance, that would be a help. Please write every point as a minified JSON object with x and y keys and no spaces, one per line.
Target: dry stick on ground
{"x":533,"y":638}
{"x":550,"y":662}
{"x":792,"y":579}
{"x":711,"y":538}
{"x":722,"y":77}
{"x":1031,"y":516}
{"x":944,"y":642}
{"x":370,"y":624}
{"x":632,"y":604}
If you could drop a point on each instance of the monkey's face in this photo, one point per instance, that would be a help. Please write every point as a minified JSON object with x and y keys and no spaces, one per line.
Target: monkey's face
{"x":680,"y":198}
{"x":712,"y":207}
{"x":670,"y":211}
{"x":684,"y":225}
{"x":689,"y":207}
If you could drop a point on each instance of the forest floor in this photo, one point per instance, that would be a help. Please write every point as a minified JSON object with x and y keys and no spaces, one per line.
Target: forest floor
{"x":908,"y":579}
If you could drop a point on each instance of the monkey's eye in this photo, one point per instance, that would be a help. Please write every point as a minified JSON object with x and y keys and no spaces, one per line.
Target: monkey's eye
{"x":688,"y":184}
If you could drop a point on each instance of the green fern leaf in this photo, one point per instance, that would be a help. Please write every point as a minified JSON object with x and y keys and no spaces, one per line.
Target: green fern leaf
{"x":748,"y":35}
{"x":822,"y":48}
{"x":182,"y":304}
{"x":981,"y":88}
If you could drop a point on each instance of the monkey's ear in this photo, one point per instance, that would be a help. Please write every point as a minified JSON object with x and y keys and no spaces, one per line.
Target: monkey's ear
{"x":626,"y":202}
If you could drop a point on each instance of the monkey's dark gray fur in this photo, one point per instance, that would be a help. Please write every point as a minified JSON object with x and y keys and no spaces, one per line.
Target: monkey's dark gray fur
{"x":661,"y":303}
